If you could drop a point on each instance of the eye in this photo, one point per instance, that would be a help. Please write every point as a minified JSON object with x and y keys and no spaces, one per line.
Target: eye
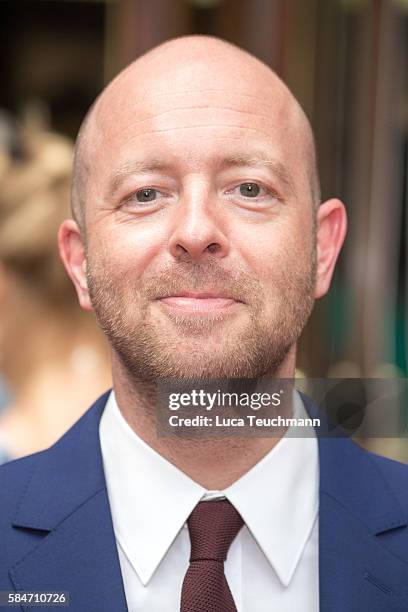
{"x":249,"y":190}
{"x":146,"y":195}
{"x":145,"y":199}
{"x":254,"y":194}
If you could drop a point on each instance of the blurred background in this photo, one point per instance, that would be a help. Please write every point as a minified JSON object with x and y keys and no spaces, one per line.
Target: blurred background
{"x":347,"y":63}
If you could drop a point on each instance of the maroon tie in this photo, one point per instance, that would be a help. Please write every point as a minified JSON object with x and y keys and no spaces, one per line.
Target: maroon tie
{"x":212,"y":525}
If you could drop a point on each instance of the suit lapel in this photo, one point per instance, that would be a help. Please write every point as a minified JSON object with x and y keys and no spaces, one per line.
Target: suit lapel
{"x":356,"y":571}
{"x":358,"y":517}
{"x":66,"y":500}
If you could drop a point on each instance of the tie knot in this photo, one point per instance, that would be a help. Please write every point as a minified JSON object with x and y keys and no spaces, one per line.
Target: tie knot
{"x":213,"y":525}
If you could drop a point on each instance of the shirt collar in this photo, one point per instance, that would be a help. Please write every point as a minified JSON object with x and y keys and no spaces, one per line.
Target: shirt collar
{"x":151,"y":499}
{"x":279,"y":498}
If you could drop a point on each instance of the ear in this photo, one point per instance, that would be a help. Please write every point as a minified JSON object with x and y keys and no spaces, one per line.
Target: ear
{"x":72,"y":253}
{"x":331,"y":231}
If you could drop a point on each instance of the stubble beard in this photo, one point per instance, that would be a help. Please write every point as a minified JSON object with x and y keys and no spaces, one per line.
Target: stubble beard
{"x":149,"y":353}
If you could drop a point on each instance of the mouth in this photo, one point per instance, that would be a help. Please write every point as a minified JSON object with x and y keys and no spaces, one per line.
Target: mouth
{"x":199,"y":302}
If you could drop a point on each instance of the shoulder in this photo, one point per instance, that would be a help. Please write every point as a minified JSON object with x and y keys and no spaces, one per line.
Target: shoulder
{"x":395,"y":475}
{"x":64,"y":462}
{"x":14,"y":477}
{"x":41,"y":490}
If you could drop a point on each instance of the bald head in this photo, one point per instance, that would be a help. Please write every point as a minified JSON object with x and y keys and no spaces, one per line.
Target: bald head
{"x":190,"y":71}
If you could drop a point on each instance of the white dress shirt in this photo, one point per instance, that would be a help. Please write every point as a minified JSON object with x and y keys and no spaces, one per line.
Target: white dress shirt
{"x":272,"y":565}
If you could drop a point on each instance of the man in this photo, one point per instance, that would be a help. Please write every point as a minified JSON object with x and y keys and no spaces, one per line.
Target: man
{"x":200,"y":242}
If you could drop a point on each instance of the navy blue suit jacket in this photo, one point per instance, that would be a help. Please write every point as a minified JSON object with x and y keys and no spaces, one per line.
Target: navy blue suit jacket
{"x":56,"y":530}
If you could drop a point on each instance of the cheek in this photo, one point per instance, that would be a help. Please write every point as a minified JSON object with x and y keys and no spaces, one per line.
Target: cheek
{"x":127,"y":249}
{"x":274,"y":250}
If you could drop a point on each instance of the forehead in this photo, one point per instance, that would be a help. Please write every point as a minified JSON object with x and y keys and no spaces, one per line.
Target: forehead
{"x":191,"y":115}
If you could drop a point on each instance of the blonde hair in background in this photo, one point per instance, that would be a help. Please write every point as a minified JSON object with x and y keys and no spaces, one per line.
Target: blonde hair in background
{"x":34,"y":199}
{"x":53,"y":357}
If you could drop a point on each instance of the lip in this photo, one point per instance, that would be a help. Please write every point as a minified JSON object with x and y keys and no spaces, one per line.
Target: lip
{"x":200,"y":302}
{"x":200,"y":295}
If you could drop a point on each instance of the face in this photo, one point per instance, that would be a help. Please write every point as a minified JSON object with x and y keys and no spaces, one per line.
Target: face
{"x":201,"y":253}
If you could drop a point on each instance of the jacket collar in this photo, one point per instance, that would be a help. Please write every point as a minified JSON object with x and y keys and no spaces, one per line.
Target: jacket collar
{"x":65,"y":476}
{"x":349,"y":475}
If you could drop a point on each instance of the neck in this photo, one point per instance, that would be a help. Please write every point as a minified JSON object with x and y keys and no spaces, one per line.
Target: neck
{"x":214,"y":463}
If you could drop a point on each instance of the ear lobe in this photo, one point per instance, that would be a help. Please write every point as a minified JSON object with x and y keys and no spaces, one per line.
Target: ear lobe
{"x":331,"y":231}
{"x":72,"y":252}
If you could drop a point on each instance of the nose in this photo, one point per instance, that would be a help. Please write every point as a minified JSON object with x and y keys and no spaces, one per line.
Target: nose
{"x":198,"y":230}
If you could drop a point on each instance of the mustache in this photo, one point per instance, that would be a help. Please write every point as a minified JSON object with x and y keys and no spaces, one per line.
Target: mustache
{"x":210,"y":277}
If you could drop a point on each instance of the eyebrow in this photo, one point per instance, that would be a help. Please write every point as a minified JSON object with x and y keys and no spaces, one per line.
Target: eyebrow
{"x":135,"y":167}
{"x":255,"y":158}
{"x":260,"y":159}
